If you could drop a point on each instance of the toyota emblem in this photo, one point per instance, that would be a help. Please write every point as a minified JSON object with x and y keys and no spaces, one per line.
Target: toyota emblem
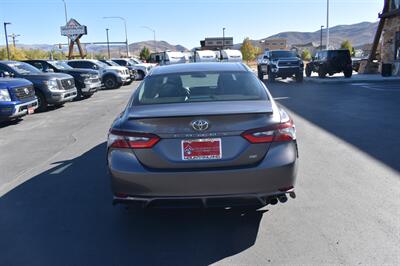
{"x":200,"y":125}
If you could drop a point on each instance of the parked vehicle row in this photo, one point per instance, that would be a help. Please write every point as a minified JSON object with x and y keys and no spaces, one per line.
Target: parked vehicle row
{"x":198,"y":56}
{"x":37,"y":84}
{"x":284,"y":64}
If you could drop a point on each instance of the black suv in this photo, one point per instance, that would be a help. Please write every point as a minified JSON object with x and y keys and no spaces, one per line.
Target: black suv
{"x":331,"y":62}
{"x":87,"y":81}
{"x":281,"y":64}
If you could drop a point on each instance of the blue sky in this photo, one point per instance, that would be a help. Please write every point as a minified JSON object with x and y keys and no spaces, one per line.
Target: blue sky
{"x":178,"y":21}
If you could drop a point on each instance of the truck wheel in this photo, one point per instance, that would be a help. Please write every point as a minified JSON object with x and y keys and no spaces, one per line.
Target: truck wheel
{"x":260,"y":74}
{"x":299,"y":76}
{"x":110,"y":82}
{"x":321,"y":73}
{"x":140,"y":75}
{"x":42,"y":102}
{"x":271,"y":76}
{"x":308,"y":71}
{"x":348,"y":73}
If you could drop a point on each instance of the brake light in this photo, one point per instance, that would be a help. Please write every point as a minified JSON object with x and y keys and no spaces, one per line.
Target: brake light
{"x":276,"y":133}
{"x":125,"y":140}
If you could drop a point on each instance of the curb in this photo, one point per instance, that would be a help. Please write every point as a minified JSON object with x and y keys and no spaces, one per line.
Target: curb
{"x":351,"y":80}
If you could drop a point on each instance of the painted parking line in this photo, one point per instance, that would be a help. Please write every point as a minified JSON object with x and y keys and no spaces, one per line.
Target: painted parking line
{"x":61,"y":169}
{"x":377,"y":88}
{"x":281,"y":98}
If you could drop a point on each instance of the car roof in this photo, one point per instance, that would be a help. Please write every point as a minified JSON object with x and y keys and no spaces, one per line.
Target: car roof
{"x":199,"y":67}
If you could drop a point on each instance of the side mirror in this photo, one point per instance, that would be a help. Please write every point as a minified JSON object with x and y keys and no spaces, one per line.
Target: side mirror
{"x":49,"y":70}
{"x":95,"y":67}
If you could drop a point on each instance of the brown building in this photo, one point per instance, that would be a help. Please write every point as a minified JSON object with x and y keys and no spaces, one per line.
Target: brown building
{"x":217,"y":43}
{"x":274,"y":44}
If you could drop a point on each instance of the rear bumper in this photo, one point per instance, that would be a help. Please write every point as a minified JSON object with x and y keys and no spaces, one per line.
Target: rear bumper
{"x":274,"y":173}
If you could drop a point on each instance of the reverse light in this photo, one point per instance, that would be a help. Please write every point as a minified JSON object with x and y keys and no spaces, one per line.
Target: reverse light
{"x":277,"y":133}
{"x":125,"y":140}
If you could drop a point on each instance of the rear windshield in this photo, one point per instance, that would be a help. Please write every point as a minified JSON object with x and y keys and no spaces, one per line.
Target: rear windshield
{"x":200,"y":87}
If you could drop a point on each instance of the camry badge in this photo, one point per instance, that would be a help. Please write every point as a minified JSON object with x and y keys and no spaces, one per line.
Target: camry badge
{"x":200,"y":125}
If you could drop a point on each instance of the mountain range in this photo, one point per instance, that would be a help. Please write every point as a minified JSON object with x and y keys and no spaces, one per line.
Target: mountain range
{"x":358,"y":34}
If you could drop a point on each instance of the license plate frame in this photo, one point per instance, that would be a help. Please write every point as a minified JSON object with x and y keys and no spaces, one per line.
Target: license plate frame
{"x":201,"y":149}
{"x":30,"y":110}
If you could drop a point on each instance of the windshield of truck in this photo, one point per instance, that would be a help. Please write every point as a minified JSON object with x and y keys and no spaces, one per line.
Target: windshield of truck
{"x":23,"y":68}
{"x":60,"y":65}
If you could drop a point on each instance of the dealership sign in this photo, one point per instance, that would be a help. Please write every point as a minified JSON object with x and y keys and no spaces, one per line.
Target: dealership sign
{"x":73,"y":30}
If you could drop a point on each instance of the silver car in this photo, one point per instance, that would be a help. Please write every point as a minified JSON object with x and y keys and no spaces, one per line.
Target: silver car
{"x":203,"y":134}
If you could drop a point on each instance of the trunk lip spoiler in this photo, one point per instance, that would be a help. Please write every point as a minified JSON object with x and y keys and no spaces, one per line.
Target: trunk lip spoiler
{"x":133,"y":116}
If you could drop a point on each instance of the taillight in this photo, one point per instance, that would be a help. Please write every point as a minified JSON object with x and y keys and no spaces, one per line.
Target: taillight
{"x":276,"y":133}
{"x":125,"y":140}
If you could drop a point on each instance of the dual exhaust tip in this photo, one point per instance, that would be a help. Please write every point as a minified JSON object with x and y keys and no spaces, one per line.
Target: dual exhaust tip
{"x":281,"y":198}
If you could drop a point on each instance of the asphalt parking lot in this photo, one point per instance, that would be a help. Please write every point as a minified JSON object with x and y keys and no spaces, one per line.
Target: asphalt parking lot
{"x":55,"y":201}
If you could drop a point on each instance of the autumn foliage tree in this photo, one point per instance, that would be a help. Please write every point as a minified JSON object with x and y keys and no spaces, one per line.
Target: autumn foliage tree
{"x":249,"y":52}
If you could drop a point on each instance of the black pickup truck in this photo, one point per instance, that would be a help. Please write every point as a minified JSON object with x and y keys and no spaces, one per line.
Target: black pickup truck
{"x":50,"y":88}
{"x":87,"y":81}
{"x":280,"y":63}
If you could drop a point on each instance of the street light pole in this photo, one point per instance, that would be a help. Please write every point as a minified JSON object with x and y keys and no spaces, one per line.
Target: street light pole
{"x":108,"y":44}
{"x":154,"y":36}
{"x":5,"y":33}
{"x":223,"y":38}
{"x":66,"y":16}
{"x":126,"y":34}
{"x":327,"y":24}
{"x":320,"y":46}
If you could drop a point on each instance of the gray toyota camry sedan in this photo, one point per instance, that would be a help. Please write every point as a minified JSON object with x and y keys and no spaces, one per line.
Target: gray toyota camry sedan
{"x":206,"y":134}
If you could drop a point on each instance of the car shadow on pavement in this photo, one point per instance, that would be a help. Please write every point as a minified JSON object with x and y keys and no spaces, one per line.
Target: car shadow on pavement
{"x":364,"y":118}
{"x":64,"y":216}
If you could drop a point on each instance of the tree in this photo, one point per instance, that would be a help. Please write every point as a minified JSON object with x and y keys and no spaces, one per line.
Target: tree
{"x":306,"y":55}
{"x":249,"y":52}
{"x":145,"y":54}
{"x":347,"y":45}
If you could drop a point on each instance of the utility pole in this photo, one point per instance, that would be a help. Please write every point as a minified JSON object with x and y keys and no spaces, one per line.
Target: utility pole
{"x":320,"y":46}
{"x":5,"y":33}
{"x":327,"y":24}
{"x":126,"y":34}
{"x":108,"y":45}
{"x":154,"y":36}
{"x":13,"y":36}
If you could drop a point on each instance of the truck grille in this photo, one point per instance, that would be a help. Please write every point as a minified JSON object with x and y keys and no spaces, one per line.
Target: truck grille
{"x":67,"y":84}
{"x":24,"y":92}
{"x":288,"y":63}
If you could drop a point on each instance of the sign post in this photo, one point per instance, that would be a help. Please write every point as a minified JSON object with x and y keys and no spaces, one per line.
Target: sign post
{"x":74,"y":31}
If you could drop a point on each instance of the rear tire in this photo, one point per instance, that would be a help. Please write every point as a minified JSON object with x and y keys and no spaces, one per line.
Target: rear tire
{"x":321,"y":73}
{"x":299,"y":77}
{"x":348,"y":73}
{"x":260,"y":74}
{"x":308,"y":71}
{"x":42,"y":102}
